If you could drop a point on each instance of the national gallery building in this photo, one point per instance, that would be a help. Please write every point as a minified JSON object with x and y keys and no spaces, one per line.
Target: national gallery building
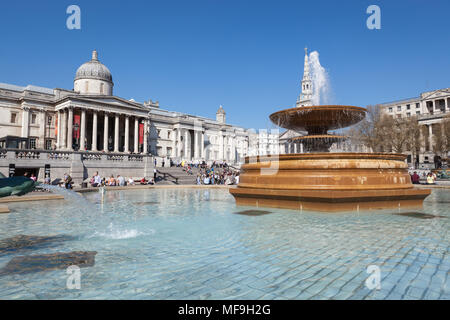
{"x":91,"y":125}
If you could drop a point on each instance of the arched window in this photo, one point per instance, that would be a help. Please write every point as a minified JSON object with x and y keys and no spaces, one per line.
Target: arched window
{"x":102,"y":85}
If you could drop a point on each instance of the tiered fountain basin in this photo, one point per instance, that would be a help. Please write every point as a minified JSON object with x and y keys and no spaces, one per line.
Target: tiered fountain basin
{"x":323,"y":181}
{"x":327,"y":182}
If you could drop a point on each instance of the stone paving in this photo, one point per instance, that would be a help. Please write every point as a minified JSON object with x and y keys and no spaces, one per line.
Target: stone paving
{"x":188,"y":244}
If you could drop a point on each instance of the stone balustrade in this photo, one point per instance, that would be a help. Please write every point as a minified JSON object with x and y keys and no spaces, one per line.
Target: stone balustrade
{"x":58,"y":155}
{"x":31,"y":154}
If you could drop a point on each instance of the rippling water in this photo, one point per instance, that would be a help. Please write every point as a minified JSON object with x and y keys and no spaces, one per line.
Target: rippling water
{"x":190,"y":244}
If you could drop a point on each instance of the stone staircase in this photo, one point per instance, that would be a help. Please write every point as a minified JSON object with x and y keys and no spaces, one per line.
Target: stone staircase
{"x":175,"y":175}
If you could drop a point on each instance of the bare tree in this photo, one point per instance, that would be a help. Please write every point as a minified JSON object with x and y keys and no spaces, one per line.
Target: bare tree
{"x":367,"y":132}
{"x":384,"y":133}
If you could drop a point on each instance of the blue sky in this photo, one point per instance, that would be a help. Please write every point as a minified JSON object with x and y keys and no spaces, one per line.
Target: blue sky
{"x":247,"y":55}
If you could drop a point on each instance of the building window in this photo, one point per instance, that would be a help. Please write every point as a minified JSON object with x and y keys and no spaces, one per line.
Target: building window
{"x":408,"y":107}
{"x":33,"y":118}
{"x":417,"y":105}
{"x":399,"y":108}
{"x":32,"y":143}
{"x":408,"y":114}
{"x":13,"y":117}
{"x":168,"y":134}
{"x":391,"y":109}
{"x":417,"y":112}
{"x":86,"y":86}
{"x":48,"y":144}
{"x":159,"y":133}
{"x":102,"y":87}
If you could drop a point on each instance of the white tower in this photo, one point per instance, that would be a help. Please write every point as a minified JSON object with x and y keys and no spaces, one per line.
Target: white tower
{"x":220,"y":115}
{"x":304,"y":99}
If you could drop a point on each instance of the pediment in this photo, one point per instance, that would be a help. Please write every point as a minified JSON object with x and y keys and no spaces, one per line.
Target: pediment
{"x":105,"y":100}
{"x":289,"y":134}
{"x":442,"y":93}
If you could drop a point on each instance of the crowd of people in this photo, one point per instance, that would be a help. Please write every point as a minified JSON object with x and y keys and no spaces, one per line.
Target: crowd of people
{"x":429,"y":177}
{"x":98,"y":181}
{"x":217,"y":173}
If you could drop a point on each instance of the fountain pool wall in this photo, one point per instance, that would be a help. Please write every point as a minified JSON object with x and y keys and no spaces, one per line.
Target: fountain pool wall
{"x":196,"y":244}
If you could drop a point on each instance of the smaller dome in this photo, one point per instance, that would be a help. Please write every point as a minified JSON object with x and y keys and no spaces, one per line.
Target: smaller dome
{"x":93,"y":69}
{"x":221,"y":111}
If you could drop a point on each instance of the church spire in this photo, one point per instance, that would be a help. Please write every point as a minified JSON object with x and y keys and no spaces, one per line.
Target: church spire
{"x":306,"y":66}
{"x":304,"y":99}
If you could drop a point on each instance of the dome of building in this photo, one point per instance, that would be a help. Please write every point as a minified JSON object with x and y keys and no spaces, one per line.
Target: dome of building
{"x":93,"y":69}
{"x":93,"y":77}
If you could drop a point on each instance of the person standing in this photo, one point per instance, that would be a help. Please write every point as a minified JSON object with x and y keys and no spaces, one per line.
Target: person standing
{"x":154,"y":174}
{"x":67,"y":181}
{"x":415,"y":178}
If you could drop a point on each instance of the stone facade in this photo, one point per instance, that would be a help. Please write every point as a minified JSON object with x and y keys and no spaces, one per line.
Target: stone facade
{"x":90,"y":125}
{"x":430,"y":108}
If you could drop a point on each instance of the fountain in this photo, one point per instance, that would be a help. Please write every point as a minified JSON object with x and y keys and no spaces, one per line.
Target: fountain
{"x":320,"y":180}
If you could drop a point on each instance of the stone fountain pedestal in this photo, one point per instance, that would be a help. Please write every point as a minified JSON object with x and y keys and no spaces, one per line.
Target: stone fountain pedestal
{"x":328,"y":182}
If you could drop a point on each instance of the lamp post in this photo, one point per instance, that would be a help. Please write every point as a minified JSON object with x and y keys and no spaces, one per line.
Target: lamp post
{"x":76,"y":127}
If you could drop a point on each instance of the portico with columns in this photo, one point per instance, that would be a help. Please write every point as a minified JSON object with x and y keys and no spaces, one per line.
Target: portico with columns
{"x":97,"y":129}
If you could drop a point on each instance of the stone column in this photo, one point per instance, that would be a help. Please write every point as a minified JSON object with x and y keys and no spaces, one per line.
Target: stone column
{"x":136,"y":135}
{"x":174,"y":143}
{"x":58,"y":132}
{"x":295,"y":147}
{"x":106,"y":132}
{"x":221,"y":146}
{"x":64,"y":130}
{"x":83,"y":131}
{"x":116,"y":134}
{"x":233,"y":149}
{"x":202,"y":145}
{"x":145,"y":151}
{"x":196,"y":148}
{"x":179,"y":143}
{"x":422,"y":141}
{"x":301,"y":148}
{"x":70,"y":130}
{"x":187,"y":154}
{"x":94,"y":131}
{"x":25,"y":121}
{"x":430,"y":136}
{"x":42,"y":126}
{"x":127,"y":134}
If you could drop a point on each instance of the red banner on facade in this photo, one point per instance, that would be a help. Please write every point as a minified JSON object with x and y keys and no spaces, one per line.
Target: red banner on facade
{"x":76,"y":126}
{"x":141,"y":133}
